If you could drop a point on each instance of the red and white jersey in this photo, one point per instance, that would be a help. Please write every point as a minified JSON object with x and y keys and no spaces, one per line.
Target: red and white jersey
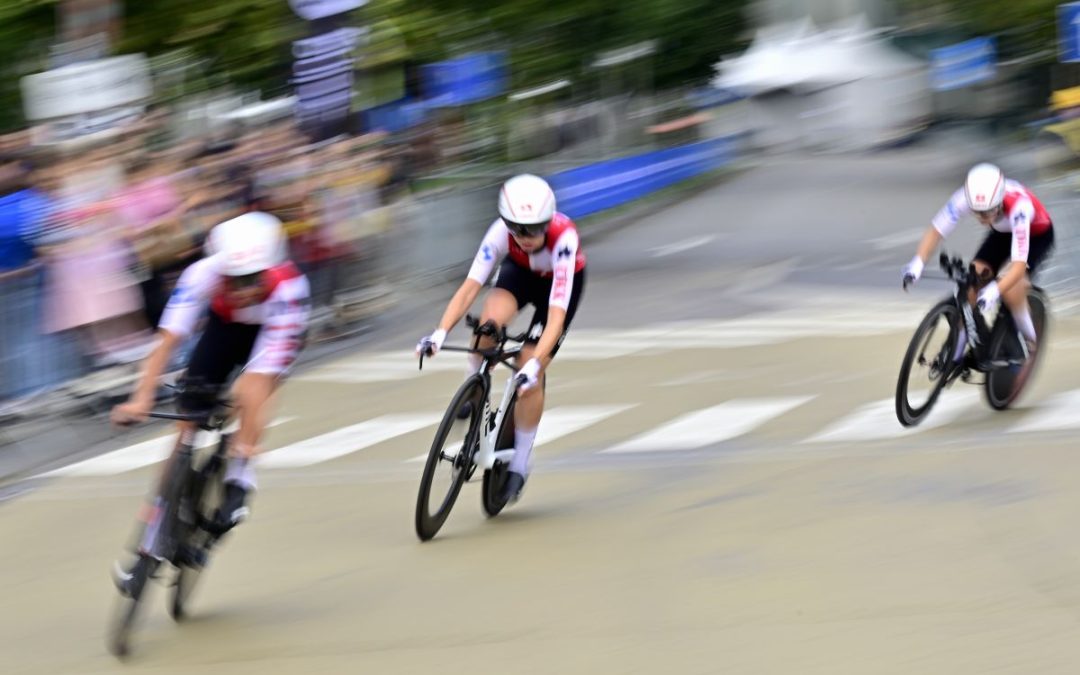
{"x":1022,"y":215}
{"x":560,"y":257}
{"x":283,"y":315}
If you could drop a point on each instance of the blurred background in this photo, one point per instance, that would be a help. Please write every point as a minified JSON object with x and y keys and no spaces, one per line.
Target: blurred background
{"x":131,"y":128}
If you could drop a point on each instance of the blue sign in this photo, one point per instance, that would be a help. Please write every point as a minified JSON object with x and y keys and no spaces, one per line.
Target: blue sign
{"x":395,"y":116}
{"x":1069,"y":32}
{"x":468,"y":79}
{"x":963,"y":64}
{"x":590,"y":189}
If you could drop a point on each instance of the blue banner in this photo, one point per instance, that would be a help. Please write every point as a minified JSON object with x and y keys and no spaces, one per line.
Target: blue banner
{"x":467,"y":79}
{"x":1069,"y":32}
{"x":395,"y":116}
{"x":963,"y":64}
{"x":597,"y":187}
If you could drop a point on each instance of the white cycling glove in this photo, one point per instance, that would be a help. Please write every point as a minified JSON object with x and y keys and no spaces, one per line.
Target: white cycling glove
{"x":431,"y":344}
{"x":912,"y":271}
{"x":989,"y":297}
{"x":529,"y":374}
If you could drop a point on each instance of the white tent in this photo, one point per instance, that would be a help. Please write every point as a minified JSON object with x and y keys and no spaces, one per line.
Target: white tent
{"x":842,"y":87}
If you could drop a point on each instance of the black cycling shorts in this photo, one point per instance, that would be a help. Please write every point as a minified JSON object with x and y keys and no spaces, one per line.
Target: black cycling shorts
{"x":996,"y":250}
{"x":222,"y":349}
{"x":527,"y":287}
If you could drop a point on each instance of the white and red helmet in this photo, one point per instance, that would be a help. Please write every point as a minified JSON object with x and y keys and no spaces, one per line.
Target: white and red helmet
{"x":527,"y":204}
{"x":250,"y":243}
{"x":984,"y":188}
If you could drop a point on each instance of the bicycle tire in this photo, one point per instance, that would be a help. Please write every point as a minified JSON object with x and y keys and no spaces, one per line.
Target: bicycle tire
{"x":907,"y":414}
{"x":1004,"y":345}
{"x":196,"y":538}
{"x":121,"y":625}
{"x":428,"y":524}
{"x":495,"y":477}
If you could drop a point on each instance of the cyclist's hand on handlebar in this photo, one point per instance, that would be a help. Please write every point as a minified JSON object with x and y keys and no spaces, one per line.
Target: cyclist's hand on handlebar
{"x":131,"y":412}
{"x":529,"y":375}
{"x":431,"y":344}
{"x":912,"y":271}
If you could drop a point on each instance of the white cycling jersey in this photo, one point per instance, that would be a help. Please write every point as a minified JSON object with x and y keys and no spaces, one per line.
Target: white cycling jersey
{"x":283,"y":315}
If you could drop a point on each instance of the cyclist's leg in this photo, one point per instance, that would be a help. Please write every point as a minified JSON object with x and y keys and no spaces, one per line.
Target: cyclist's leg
{"x":240,"y":480}
{"x":205,"y":367}
{"x":992,"y":254}
{"x":503,"y":302}
{"x":530,"y":404}
{"x":1016,"y":298}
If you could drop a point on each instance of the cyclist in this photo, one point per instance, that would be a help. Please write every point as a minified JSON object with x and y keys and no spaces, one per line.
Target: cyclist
{"x":1021,"y":232}
{"x":256,"y":305}
{"x":540,"y":262}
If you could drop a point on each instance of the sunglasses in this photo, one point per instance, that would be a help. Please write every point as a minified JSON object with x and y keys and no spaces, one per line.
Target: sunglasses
{"x":523,"y":230}
{"x":244,"y":282}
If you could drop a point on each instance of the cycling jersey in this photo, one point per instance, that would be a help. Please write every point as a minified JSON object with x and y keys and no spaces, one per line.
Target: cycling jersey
{"x":1022,"y":215}
{"x":559,"y":258}
{"x":282,"y":317}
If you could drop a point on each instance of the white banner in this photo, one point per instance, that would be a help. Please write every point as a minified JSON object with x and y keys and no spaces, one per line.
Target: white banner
{"x":311,"y":10}
{"x":87,"y":87}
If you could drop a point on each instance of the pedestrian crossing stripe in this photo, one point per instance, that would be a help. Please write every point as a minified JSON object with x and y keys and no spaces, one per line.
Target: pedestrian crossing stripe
{"x":711,"y":425}
{"x":690,"y":430}
{"x":585,"y":344}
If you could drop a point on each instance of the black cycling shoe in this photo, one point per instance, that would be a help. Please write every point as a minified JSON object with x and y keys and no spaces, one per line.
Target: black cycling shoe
{"x":233,"y":509}
{"x":465,"y":411}
{"x":515,"y":482}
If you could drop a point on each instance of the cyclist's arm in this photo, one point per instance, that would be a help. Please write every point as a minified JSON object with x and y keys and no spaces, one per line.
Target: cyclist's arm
{"x":185,"y":306}
{"x":931,"y":239}
{"x":942,"y":225}
{"x":553,"y":329}
{"x":493,"y":248}
{"x":564,"y":259}
{"x":153,"y":368}
{"x":1023,"y":212}
{"x":460,"y":303}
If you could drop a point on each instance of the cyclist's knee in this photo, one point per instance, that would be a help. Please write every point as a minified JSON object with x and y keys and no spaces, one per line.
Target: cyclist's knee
{"x":984,"y":272}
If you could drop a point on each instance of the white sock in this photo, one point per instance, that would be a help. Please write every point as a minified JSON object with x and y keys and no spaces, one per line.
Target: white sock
{"x":523,"y":444}
{"x":1025,"y":324}
{"x":241,"y":472}
{"x":961,"y":345}
{"x":473,"y":366}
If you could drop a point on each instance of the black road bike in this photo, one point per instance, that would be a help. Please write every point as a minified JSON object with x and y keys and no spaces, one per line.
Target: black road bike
{"x":996,"y":351}
{"x":488,"y":441}
{"x":191,"y":493}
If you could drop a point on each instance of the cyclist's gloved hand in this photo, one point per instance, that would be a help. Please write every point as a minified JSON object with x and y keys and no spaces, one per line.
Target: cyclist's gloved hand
{"x":431,"y":344}
{"x":912,"y":271}
{"x":529,"y":374}
{"x":131,"y":412}
{"x":988,"y":297}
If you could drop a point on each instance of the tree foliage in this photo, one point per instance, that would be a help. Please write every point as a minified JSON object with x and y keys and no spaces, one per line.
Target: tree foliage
{"x":247,"y":43}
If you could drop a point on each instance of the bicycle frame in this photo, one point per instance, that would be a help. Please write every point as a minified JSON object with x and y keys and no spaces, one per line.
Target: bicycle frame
{"x":487,"y":454}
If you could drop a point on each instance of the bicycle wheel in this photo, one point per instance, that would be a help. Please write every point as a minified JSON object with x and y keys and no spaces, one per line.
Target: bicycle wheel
{"x":495,"y":477}
{"x":204,"y":495}
{"x":937,"y":359}
{"x":428,"y":521}
{"x":122,"y":623}
{"x":1001,"y":389}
